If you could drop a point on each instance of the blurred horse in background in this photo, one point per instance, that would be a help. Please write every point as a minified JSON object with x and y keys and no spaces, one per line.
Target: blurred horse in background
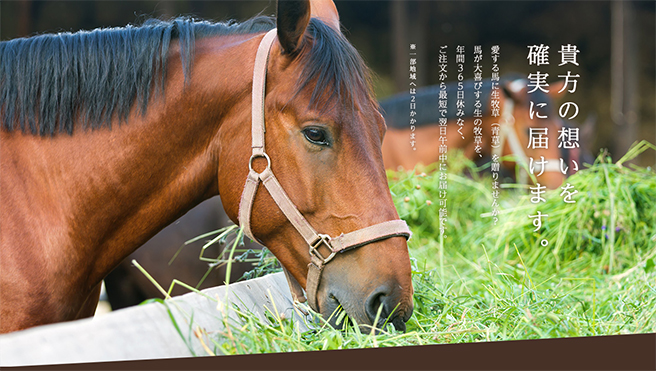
{"x":512,"y":126}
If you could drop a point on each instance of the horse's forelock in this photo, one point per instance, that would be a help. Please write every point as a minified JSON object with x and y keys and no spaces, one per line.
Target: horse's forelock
{"x":336,"y":69}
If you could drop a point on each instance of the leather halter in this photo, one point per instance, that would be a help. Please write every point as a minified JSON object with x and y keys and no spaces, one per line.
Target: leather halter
{"x":507,"y":132}
{"x":315,"y":241}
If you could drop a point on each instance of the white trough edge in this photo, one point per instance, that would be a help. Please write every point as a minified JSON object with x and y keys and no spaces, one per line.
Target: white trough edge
{"x":146,"y":331}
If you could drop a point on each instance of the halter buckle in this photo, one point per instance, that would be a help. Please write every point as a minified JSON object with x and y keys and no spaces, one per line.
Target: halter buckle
{"x":314,"y":248}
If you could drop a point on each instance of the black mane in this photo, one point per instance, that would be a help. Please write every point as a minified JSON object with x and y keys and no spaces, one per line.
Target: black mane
{"x":50,"y":82}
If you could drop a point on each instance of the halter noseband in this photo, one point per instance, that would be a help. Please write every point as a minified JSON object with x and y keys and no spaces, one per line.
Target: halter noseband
{"x":315,"y":241}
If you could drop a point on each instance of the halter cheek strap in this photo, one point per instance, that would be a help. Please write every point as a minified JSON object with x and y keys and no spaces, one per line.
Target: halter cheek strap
{"x":314,"y":240}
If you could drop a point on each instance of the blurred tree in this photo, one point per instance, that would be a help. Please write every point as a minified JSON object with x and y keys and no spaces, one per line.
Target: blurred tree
{"x":25,"y":17}
{"x":624,"y":102}
{"x":409,"y":26}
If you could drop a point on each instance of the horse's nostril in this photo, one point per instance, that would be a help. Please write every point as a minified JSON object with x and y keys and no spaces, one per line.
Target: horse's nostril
{"x":374,"y":303}
{"x":382,"y":306}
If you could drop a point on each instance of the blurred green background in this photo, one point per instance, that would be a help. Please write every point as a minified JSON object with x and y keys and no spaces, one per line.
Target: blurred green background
{"x":616,"y":40}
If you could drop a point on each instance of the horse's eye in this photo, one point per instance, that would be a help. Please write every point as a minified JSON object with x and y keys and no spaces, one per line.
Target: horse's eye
{"x":316,"y":136}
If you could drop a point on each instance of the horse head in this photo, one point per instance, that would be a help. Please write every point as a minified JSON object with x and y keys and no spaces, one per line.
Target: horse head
{"x":530,"y":127}
{"x":323,"y":148}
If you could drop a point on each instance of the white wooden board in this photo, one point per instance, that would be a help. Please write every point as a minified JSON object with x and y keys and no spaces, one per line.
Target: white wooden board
{"x":146,"y":331}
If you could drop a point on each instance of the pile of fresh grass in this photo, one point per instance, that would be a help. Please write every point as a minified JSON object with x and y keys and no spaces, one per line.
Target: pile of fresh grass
{"x":492,"y":282}
{"x":497,"y":282}
{"x":611,"y":226}
{"x":612,"y":221}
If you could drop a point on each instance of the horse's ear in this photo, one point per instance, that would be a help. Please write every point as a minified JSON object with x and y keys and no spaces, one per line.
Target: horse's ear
{"x":515,"y":89}
{"x":326,"y":11}
{"x":556,"y":89}
{"x":293,"y":18}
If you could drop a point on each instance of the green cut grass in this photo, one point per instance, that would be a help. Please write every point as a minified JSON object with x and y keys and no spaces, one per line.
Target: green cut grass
{"x":493,"y":282}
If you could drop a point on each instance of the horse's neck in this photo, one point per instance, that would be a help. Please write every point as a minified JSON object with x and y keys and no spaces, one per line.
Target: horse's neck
{"x":109,"y":191}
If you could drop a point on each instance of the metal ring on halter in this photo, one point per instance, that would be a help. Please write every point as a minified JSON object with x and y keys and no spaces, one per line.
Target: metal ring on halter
{"x":254,"y":156}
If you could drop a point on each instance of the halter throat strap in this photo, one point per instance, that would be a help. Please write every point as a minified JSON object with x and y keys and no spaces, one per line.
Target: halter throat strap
{"x":319,"y":245}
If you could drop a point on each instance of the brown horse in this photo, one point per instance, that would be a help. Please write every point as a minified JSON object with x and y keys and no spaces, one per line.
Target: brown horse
{"x":108,"y":136}
{"x":514,"y":127}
